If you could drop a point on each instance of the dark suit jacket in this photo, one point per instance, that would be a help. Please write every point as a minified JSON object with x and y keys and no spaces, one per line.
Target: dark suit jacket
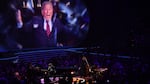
{"x":34,"y":35}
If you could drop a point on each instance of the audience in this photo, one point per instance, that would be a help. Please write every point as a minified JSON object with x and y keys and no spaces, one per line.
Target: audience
{"x":120,"y":70}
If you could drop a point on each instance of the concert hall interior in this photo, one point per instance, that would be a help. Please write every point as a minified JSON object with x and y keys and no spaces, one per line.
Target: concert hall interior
{"x":107,"y":42}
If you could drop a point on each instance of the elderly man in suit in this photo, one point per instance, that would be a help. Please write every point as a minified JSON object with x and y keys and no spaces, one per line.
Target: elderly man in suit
{"x":43,"y":31}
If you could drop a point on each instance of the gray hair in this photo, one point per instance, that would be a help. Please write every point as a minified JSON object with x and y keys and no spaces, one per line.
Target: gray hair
{"x":45,"y":3}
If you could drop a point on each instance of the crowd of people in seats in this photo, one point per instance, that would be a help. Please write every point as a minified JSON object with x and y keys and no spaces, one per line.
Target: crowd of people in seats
{"x":120,"y":70}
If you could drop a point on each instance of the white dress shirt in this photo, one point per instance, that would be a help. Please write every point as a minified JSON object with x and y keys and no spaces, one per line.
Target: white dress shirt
{"x":50,"y":24}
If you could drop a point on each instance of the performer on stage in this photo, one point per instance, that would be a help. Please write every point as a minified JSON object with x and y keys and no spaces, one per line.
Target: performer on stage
{"x":84,"y":69}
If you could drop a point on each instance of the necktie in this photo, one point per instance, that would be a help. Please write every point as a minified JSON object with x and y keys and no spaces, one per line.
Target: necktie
{"x":47,"y":28}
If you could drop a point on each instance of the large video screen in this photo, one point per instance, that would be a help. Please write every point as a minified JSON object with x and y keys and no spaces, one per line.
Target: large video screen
{"x":23,"y":25}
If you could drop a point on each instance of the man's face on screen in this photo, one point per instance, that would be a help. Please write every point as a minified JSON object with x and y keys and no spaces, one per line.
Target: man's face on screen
{"x":47,"y":11}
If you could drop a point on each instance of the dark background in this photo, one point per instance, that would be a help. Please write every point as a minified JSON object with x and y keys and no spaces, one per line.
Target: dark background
{"x":119,"y":26}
